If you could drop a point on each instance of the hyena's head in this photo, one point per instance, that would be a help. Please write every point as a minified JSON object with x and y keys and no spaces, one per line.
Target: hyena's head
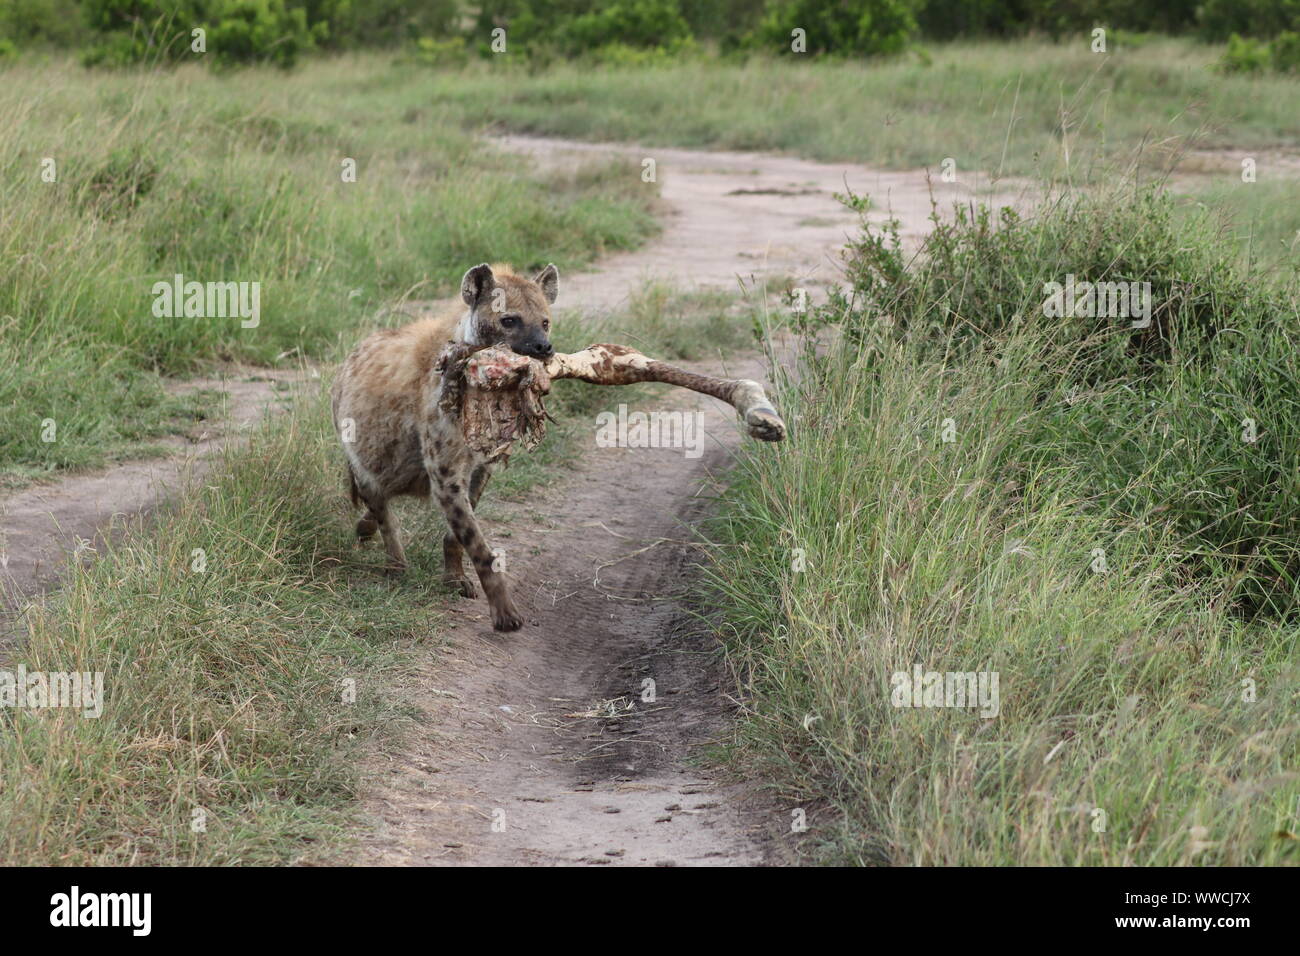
{"x":506,"y":308}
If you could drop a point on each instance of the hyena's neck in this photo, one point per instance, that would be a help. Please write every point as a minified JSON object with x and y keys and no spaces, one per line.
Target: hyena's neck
{"x":467,"y":330}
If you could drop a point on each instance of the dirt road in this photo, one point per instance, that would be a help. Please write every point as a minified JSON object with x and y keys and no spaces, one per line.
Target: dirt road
{"x":736,"y":216}
{"x":548,"y":746}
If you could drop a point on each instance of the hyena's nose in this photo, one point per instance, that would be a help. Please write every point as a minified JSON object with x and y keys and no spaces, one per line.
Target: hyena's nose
{"x":544,"y":350}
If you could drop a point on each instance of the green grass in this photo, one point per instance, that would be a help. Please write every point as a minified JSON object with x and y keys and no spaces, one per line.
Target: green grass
{"x":223,"y":672}
{"x":1094,"y":531}
{"x":238,"y":178}
{"x":1260,"y":219}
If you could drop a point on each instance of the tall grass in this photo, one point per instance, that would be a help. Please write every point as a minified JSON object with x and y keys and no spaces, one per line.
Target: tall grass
{"x":1257,"y":218}
{"x":1190,"y":415}
{"x":227,"y":631}
{"x":240,"y":178}
{"x":974,"y":488}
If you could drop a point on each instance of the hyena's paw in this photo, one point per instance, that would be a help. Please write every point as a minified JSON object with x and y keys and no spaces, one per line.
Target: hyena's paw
{"x":765,"y":424}
{"x":366,"y":528}
{"x":506,"y":618}
{"x":462,"y":586}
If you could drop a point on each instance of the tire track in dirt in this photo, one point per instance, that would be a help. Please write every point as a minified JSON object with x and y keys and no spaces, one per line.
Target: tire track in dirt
{"x":537,"y":748}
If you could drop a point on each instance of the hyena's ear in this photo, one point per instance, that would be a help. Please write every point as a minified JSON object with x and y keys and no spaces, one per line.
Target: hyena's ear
{"x":477,"y":284}
{"x":549,"y":280}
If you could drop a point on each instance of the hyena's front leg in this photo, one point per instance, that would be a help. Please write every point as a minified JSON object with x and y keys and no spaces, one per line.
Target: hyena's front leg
{"x":453,"y":555}
{"x":449,"y":478}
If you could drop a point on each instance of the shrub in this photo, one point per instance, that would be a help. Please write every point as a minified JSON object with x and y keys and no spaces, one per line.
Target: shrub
{"x":1191,"y":417}
{"x":439,"y":53}
{"x":353,"y":23}
{"x":1219,"y":19}
{"x":637,"y":24}
{"x":1244,"y":55}
{"x":1284,"y":52}
{"x":237,"y":31}
{"x":622,"y":55}
{"x":542,"y":29}
{"x":862,"y":27}
{"x":50,"y":22}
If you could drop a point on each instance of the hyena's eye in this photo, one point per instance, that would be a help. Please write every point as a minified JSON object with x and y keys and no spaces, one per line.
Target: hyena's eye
{"x":509,"y":321}
{"x":546,"y":325}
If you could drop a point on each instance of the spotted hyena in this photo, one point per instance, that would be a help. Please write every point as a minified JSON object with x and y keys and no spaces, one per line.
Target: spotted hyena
{"x":397,"y":443}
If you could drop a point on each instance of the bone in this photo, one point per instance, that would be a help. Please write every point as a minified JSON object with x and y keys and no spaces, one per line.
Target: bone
{"x":620,"y":365}
{"x":499,"y":394}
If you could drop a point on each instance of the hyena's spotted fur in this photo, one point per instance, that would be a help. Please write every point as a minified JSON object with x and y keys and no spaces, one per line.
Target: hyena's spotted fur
{"x":385,"y":403}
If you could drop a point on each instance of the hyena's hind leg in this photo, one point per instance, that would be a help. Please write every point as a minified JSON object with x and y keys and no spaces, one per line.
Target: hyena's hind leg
{"x":377,"y":517}
{"x":453,"y":554}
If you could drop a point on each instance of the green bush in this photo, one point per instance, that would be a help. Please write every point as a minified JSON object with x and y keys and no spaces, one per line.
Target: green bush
{"x":1284,"y":52}
{"x":639,"y":24}
{"x":354,"y":23}
{"x":1248,"y":55}
{"x":725,"y":22}
{"x":982,"y":275}
{"x":1244,"y":55}
{"x":544,"y":29}
{"x":237,"y":31}
{"x":861,"y":27}
{"x":1191,"y":417}
{"x":43,"y":22}
{"x":1219,"y":19}
{"x":622,"y":55}
{"x":439,"y":53}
